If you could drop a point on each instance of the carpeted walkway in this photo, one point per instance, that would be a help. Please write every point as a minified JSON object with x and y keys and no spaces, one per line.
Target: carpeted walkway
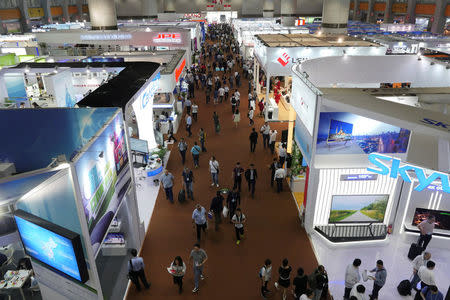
{"x":272,"y":230}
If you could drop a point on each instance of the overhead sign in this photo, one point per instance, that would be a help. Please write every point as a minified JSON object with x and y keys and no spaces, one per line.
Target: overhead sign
{"x":168,"y":37}
{"x":179,"y":70}
{"x":358,"y":177}
{"x":393,"y":167}
{"x":106,"y":37}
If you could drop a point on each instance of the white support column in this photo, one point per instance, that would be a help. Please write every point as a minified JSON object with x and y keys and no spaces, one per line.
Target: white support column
{"x":411,"y":12}
{"x":438,"y":23}
{"x":370,"y":13}
{"x":169,"y":6}
{"x":45,"y":4}
{"x":267,"y":87}
{"x":289,"y":12}
{"x":103,"y":14}
{"x":388,"y":18}
{"x":335,"y":16}
{"x":65,"y":9}
{"x":356,"y":13}
{"x":24,"y":16}
{"x":268,"y":8}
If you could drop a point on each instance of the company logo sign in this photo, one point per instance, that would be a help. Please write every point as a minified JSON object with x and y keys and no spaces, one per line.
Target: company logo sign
{"x":179,"y":70}
{"x":168,"y":37}
{"x":150,"y":91}
{"x":440,"y":125}
{"x":106,"y":37}
{"x":284,"y":59}
{"x":393,"y":167}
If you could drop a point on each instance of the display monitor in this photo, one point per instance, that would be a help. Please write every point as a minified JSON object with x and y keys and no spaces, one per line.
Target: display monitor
{"x":339,"y":131}
{"x":138,"y":145}
{"x":442,"y":217}
{"x":358,"y":208}
{"x":56,"y":247}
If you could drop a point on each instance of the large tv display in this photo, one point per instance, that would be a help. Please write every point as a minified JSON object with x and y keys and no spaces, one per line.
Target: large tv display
{"x":58,"y":248}
{"x":442,"y":217}
{"x":358,"y":208}
{"x":346,"y":133}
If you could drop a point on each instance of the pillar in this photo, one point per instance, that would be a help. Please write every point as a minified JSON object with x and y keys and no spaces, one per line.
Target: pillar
{"x":335,"y":16}
{"x":169,"y":6}
{"x":45,"y":4}
{"x":2,"y":27}
{"x":103,"y":14}
{"x":24,"y":17}
{"x":356,"y":12}
{"x":268,"y":8}
{"x":65,"y":9}
{"x":288,"y":12}
{"x":370,"y":13}
{"x":388,"y":18}
{"x":438,"y":22}
{"x":411,"y":12}
{"x":79,"y":4}
{"x":267,"y":86}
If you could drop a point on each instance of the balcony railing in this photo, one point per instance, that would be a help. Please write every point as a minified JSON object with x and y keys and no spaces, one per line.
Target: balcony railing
{"x":350,"y":233}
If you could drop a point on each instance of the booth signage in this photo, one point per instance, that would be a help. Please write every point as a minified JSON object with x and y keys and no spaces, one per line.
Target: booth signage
{"x":397,"y":168}
{"x":440,"y":125}
{"x":179,"y":70}
{"x":284,"y":59}
{"x":168,"y":37}
{"x":106,"y":37}
{"x":358,"y":177}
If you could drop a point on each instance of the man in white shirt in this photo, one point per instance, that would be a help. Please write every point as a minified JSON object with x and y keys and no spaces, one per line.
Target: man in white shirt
{"x":221,"y":94}
{"x":265,"y":131}
{"x":214,"y":170}
{"x":272,"y":140}
{"x":282,"y":152}
{"x":426,"y":274}
{"x":265,"y":274}
{"x":426,"y":231}
{"x":280,"y":173}
{"x":188,"y":124}
{"x":419,"y":261}
{"x":309,"y":294}
{"x":352,"y":277}
{"x":358,"y":291}
{"x":237,"y":95}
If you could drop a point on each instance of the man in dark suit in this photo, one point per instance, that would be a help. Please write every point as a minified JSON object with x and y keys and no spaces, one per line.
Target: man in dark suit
{"x":253,"y":140}
{"x":273,"y":167}
{"x":251,"y":175}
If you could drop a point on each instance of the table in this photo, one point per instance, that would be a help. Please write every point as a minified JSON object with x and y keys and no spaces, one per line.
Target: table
{"x":15,"y":280}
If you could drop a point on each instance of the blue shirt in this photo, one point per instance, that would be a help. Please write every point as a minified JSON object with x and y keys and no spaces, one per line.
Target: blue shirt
{"x":380,"y":276}
{"x":167,"y":180}
{"x":136,"y":264}
{"x":196,"y":150}
{"x":199,"y":216}
{"x":430,"y":296}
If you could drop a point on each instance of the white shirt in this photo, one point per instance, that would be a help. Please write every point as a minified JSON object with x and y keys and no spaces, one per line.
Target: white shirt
{"x":426,"y":275}
{"x":235,"y":219}
{"x":221,"y":92}
{"x":252,"y":104}
{"x":265,"y":129}
{"x":304,"y":297}
{"x":273,"y":137}
{"x":418,"y":262}
{"x":355,"y":293}
{"x":237,"y":95}
{"x":226,"y":88}
{"x":194,"y":108}
{"x":352,"y":276}
{"x":188,"y":120}
{"x":266,"y":273}
{"x":280,"y":173}
{"x":282,"y":152}
{"x":213,"y":166}
{"x":250,"y":114}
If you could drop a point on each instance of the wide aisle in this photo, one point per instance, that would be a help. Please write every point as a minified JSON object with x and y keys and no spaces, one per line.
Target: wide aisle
{"x":272,"y":230}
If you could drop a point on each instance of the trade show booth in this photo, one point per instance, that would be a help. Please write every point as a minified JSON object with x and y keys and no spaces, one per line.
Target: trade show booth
{"x":221,"y":16}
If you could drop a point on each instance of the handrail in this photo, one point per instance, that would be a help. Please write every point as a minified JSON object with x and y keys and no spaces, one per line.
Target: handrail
{"x":352,"y":232}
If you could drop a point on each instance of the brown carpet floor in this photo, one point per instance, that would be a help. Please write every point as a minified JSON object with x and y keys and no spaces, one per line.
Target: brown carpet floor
{"x":272,"y":230}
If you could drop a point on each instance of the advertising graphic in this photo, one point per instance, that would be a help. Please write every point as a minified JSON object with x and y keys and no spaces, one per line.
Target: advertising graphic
{"x":346,"y":133}
{"x":358,"y":208}
{"x":284,"y":59}
{"x":168,"y":38}
{"x":304,"y":101}
{"x":104,"y":178}
{"x":442,"y":217}
{"x":15,"y":86}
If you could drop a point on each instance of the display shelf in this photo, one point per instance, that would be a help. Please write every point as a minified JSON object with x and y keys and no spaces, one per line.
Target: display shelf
{"x":114,"y":245}
{"x":115,"y":226}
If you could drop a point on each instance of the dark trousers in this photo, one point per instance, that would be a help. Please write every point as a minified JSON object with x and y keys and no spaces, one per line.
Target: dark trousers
{"x":272,"y":175}
{"x":279,"y":185}
{"x":200,"y":227}
{"x":196,"y":159}
{"x":347,"y":293}
{"x":194,"y":115}
{"x":232,"y":207}
{"x":252,"y":122}
{"x":178,"y":280}
{"x":252,"y":146}
{"x":233,"y":108}
{"x":264,"y":288}
{"x":265,"y":140}
{"x":237,"y":182}
{"x":282,"y":159}
{"x":188,"y":109}
{"x":169,"y":194}
{"x":375,"y":290}
{"x":217,"y":219}
{"x":202,"y":142}
{"x":424,"y":239}
{"x":183,"y":156}
{"x":272,"y":147}
{"x":239,"y":232}
{"x":135,"y":276}
{"x":251,"y":187}
{"x":188,"y":129}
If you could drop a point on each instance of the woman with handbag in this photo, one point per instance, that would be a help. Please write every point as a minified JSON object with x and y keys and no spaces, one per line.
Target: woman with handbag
{"x":177,"y":269}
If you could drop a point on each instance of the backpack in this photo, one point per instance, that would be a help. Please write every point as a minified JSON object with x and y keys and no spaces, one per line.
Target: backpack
{"x":312,"y":282}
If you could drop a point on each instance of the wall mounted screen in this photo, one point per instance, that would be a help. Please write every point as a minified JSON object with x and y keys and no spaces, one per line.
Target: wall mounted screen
{"x":358,"y":208}
{"x":56,"y":247}
{"x":442,"y":217}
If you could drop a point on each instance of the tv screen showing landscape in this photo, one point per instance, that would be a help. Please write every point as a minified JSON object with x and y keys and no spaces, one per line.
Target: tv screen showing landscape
{"x":340,"y":131}
{"x":358,"y":208}
{"x":442,"y":217}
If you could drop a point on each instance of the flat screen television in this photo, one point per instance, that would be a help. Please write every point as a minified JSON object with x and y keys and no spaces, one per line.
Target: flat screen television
{"x":56,"y":247}
{"x":358,"y":208}
{"x":442,"y":217}
{"x":138,"y":145}
{"x":339,"y":131}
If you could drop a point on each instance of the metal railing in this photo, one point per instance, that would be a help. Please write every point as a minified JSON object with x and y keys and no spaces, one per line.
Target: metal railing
{"x":349,"y":233}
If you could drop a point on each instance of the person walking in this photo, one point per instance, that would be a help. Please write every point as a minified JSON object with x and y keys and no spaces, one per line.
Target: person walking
{"x":236,"y":117}
{"x":358,"y":291}
{"x":279,"y":175}
{"x":188,"y":104}
{"x":221,"y":92}
{"x":178,"y":270}
{"x":188,"y":124}
{"x":253,"y":140}
{"x":199,"y":220}
{"x":216,"y":95}
{"x":194,"y":111}
{"x":273,"y":167}
{"x":321,"y":283}
{"x":216,"y":207}
{"x":419,"y":261}
{"x":426,"y":274}
{"x":195,"y":150}
{"x":136,"y":271}
{"x":284,"y":280}
{"x":188,"y":182}
{"x":199,"y":258}
{"x":214,"y":170}
{"x":300,"y":283}
{"x":237,"y":176}
{"x":265,"y":130}
{"x":238,"y":220}
{"x":182,"y":147}
{"x":216,"y":122}
{"x":233,"y":104}
{"x":426,"y":228}
{"x":251,"y":112}
{"x":431,"y":293}
{"x":170,"y":136}
{"x":265,"y":273}
{"x":378,"y":280}
{"x":233,"y":202}
{"x":309,"y":294}
{"x":282,"y":153}
{"x":251,"y":175}
{"x":202,"y":139}
{"x":272,"y":140}
{"x":352,"y":277}
{"x":167,"y":183}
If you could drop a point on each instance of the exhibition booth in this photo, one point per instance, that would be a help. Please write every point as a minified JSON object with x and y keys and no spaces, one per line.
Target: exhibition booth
{"x":220,"y":16}
{"x":365,"y":136}
{"x":71,"y":203}
{"x":409,"y":44}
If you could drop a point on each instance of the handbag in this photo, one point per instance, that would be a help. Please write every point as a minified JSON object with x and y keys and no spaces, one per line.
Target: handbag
{"x":225,"y":211}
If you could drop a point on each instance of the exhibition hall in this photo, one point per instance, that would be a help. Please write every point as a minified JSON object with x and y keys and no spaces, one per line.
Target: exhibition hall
{"x":225,"y":149}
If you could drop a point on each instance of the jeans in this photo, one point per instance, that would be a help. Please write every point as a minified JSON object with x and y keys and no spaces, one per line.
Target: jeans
{"x":135,"y":276}
{"x":202,"y":142}
{"x":265,"y":140}
{"x":183,"y":156}
{"x":252,"y":146}
{"x":317,"y":294}
{"x":188,"y":129}
{"x":196,"y":158}
{"x":424,"y":239}
{"x":169,"y":194}
{"x":415,"y":280}
{"x":375,"y":290}
{"x":215,"y":178}
{"x":279,"y":184}
{"x":189,"y":189}
{"x":197,"y":272}
{"x":237,"y":183}
{"x":239,"y":232}
{"x":199,"y":228}
{"x":251,"y":186}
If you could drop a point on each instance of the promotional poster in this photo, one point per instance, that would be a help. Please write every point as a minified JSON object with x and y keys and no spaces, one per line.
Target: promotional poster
{"x":358,"y":208}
